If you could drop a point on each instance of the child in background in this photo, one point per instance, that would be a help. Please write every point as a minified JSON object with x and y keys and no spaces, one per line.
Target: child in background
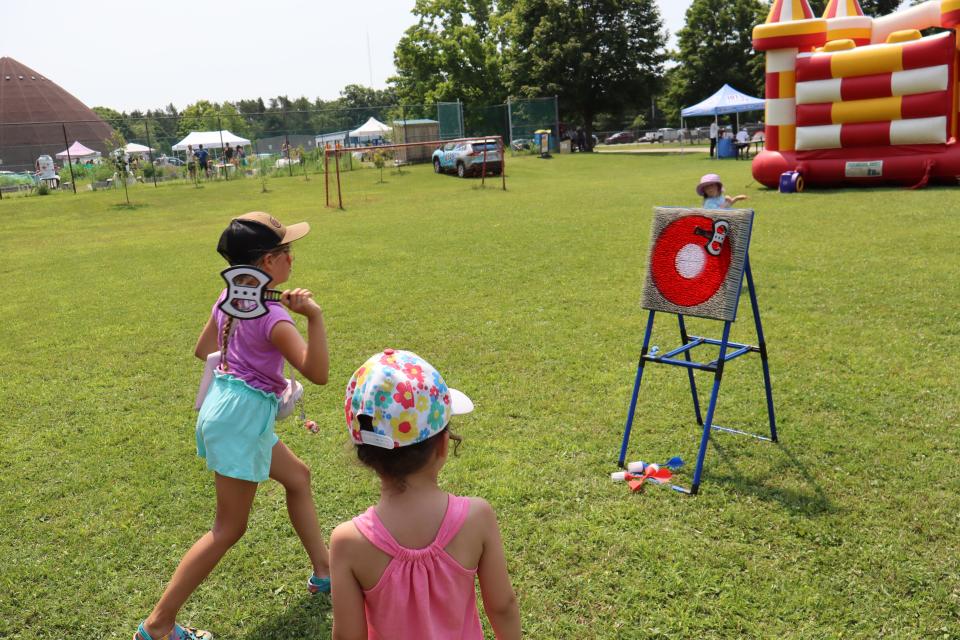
{"x":711,"y":190}
{"x":405,"y":569}
{"x":235,"y":426}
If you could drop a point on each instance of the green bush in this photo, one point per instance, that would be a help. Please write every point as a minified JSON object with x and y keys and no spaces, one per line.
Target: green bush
{"x":102,"y":171}
{"x":43,"y":189}
{"x":15,"y":179}
{"x":79,"y":171}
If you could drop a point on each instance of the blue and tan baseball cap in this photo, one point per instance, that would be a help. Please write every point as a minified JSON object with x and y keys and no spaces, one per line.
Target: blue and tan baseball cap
{"x":253,"y":234}
{"x":406,"y":398}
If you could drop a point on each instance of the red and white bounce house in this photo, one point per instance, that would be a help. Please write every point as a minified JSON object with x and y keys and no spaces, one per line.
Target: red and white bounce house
{"x":853,"y":100}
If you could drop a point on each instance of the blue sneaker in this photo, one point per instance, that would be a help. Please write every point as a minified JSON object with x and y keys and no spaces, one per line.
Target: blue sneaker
{"x":178,"y":633}
{"x":317,"y":585}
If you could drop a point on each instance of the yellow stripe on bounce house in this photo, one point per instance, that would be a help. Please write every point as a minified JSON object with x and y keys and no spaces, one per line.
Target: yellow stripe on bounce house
{"x":862,"y":62}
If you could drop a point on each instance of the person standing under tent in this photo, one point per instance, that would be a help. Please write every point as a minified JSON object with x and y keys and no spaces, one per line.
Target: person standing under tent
{"x":202,"y":160}
{"x":714,"y":130}
{"x":743,"y":143}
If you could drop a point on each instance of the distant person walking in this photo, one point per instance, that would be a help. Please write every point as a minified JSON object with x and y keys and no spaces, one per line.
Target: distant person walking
{"x":714,"y":130}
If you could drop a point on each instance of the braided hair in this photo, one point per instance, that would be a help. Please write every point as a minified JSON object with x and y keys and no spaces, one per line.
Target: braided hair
{"x":224,"y":339}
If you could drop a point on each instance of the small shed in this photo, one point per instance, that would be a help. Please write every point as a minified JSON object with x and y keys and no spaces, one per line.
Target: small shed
{"x":424,"y":130}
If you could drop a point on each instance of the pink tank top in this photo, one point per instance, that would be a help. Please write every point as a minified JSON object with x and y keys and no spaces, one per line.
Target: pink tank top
{"x":423,"y":593}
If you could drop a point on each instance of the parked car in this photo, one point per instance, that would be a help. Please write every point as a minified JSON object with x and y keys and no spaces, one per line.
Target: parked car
{"x":621,"y":137}
{"x":173,"y":161}
{"x":666,"y":134}
{"x":522,"y":144}
{"x":467,"y":158}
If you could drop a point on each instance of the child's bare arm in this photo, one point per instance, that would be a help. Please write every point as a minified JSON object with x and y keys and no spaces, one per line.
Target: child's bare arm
{"x":736,"y":199}
{"x":309,"y":357}
{"x":499,"y":600}
{"x":349,"y":619}
{"x":207,"y":342}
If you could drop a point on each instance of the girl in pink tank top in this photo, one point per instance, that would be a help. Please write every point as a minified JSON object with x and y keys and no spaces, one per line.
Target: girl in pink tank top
{"x":407,"y":567}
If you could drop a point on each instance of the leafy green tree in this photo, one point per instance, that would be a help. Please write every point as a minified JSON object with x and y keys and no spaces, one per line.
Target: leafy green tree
{"x":875,"y":8}
{"x":209,"y":116}
{"x":451,"y":53}
{"x":597,"y":56}
{"x":360,"y":102}
{"x":715,"y":47}
{"x":115,"y":119}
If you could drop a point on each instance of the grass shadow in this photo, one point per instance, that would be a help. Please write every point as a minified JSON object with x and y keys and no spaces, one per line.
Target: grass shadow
{"x":309,"y":617}
{"x":814,"y":502}
{"x":133,"y":206}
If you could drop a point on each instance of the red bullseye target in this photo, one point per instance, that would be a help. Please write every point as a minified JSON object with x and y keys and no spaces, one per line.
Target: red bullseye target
{"x":683,"y":270}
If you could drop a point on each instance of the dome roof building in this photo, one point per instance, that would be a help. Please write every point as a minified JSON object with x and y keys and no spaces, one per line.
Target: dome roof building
{"x":33,"y":113}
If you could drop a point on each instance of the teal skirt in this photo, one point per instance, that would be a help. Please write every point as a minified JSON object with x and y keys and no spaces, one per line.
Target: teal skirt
{"x":235,"y":429}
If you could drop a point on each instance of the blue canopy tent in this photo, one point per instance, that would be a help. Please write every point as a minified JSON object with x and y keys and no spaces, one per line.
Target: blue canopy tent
{"x":726,"y":100}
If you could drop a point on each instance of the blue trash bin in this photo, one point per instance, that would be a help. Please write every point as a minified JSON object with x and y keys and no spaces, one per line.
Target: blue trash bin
{"x":726,"y":148}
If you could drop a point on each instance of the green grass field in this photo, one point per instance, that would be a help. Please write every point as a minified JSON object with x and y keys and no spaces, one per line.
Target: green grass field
{"x":528,"y":300}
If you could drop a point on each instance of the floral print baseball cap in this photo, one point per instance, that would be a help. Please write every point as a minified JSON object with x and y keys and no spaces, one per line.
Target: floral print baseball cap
{"x":406,"y":398}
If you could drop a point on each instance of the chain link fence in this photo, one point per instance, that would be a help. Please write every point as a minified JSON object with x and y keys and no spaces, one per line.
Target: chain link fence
{"x":238,"y":145}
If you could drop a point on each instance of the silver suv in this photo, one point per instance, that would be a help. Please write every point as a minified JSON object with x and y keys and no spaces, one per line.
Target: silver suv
{"x":467,"y":158}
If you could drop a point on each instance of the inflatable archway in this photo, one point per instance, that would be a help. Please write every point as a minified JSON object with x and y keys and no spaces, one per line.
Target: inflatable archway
{"x":857,"y":100}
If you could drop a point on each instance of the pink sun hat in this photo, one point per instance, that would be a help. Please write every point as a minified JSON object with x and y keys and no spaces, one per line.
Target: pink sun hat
{"x":710,"y":178}
{"x":406,"y":398}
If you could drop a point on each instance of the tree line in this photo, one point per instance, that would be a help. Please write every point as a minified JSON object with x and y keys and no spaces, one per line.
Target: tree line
{"x":608,"y":61}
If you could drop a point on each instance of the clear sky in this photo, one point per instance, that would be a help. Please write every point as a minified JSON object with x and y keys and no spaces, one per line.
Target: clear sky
{"x":143,"y":55}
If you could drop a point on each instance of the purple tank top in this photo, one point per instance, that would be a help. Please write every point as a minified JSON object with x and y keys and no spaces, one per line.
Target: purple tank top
{"x":250,"y":354}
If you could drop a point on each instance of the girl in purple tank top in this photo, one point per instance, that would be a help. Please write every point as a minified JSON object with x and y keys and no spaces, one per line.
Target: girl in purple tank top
{"x":406,"y":567}
{"x":235,"y":426}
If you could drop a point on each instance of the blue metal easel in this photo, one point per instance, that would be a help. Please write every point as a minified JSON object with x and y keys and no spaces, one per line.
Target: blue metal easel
{"x":716,"y":366}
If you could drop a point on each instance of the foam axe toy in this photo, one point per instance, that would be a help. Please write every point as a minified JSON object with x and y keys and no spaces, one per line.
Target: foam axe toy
{"x":715,"y":238}
{"x":635,"y":480}
{"x":639,"y":472}
{"x":247,"y":301}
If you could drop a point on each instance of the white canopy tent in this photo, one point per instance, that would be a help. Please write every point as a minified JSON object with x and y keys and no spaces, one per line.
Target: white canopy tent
{"x":78,"y":151}
{"x":210,"y":140}
{"x":370,"y":130}
{"x":139,"y":149}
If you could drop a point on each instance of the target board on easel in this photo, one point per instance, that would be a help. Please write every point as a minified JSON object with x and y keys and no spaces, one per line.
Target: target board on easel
{"x":697,"y":264}
{"x":696,"y":261}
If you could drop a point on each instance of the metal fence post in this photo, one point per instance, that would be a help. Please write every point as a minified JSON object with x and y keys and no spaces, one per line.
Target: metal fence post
{"x":509,"y":123}
{"x":146,"y":124}
{"x":73,"y":180}
{"x":556,"y":114}
{"x":226,"y":173}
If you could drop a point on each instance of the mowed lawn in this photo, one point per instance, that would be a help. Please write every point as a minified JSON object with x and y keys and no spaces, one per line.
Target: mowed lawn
{"x":528,"y":300}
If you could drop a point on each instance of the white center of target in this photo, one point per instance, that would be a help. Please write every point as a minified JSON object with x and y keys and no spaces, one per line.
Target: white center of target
{"x":690,"y":260}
